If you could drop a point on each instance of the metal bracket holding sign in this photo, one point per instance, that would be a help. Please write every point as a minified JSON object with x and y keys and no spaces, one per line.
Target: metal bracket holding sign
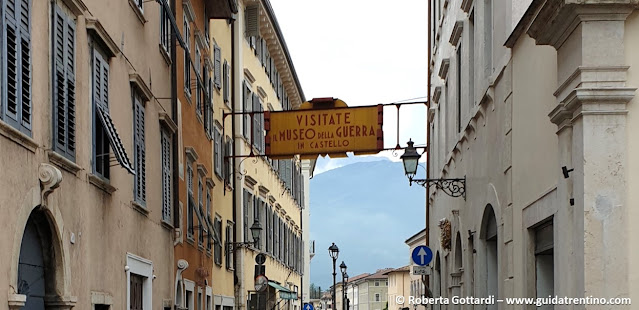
{"x":421,"y":270}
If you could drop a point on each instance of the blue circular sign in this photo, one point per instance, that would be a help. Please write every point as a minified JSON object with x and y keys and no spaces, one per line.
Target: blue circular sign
{"x":422,"y":256}
{"x":308,"y":306}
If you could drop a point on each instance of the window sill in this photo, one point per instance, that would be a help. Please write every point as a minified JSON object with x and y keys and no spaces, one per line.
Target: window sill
{"x":190,"y":240}
{"x":101,"y":183}
{"x":18,"y":137}
{"x":63,"y":162}
{"x":165,"y":55}
{"x":187,"y":95}
{"x":140,"y":208}
{"x":167,"y":225}
{"x":137,"y":12}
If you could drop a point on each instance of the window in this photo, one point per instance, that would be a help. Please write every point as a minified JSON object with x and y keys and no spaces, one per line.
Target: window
{"x":248,"y":202}
{"x":201,"y":224}
{"x":226,"y":84}
{"x":16,"y":60}
{"x":139,"y":285}
{"x":459,"y":86}
{"x":190,"y":202}
{"x":217,"y":156}
{"x":376,"y":283}
{"x":198,"y":91}
{"x":488,"y":37}
{"x":64,"y":84}
{"x":471,"y":59}
{"x":247,"y":102}
{"x":217,"y":227}
{"x":166,"y":176}
{"x":136,"y":293}
{"x":165,"y":30}
{"x":189,"y":288}
{"x":228,"y":239}
{"x":199,"y":298}
{"x":104,"y":133}
{"x":217,"y":55}
{"x":276,"y":240}
{"x":228,"y":163}
{"x":187,"y":57}
{"x":140,"y":149}
{"x":377,"y":296}
{"x":209,"y":236}
{"x":544,"y":261}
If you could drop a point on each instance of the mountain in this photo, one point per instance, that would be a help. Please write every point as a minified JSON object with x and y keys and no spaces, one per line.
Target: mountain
{"x":368,"y":210}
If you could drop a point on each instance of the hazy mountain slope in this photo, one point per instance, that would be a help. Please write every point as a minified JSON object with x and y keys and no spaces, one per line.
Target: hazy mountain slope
{"x":368,"y":210}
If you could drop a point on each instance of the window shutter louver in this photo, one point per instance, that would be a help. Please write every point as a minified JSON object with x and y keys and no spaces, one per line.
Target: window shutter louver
{"x":17,"y":93}
{"x":217,"y":54}
{"x":248,"y":99}
{"x":256,"y":120}
{"x":140,"y":151}
{"x":64,"y":84}
{"x":166,"y":177}
{"x":225,"y":91}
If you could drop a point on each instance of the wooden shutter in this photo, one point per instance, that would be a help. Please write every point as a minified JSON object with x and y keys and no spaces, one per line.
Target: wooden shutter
{"x":140,"y":150}
{"x":64,"y":84}
{"x":227,"y":78}
{"x":246,"y":215}
{"x":217,"y":54}
{"x":256,"y":120}
{"x":247,"y":102}
{"x":166,"y":177}
{"x":260,"y":128}
{"x":17,"y":90}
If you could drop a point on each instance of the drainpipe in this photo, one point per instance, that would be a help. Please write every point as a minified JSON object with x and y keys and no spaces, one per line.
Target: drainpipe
{"x":182,"y":264}
{"x":428,"y":148}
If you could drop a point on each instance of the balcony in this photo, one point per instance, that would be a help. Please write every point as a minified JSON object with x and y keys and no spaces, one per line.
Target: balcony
{"x":312,"y":248}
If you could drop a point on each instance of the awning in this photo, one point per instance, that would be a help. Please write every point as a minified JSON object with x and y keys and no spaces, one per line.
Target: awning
{"x":284,"y":292}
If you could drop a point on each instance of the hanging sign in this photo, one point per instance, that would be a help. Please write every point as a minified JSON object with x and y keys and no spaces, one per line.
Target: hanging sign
{"x":324,"y":131}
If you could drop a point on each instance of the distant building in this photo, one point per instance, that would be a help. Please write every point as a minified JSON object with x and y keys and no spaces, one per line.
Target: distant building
{"x":399,"y":284}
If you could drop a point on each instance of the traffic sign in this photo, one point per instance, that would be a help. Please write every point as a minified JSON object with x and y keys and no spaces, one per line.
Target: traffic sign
{"x":421,"y":270}
{"x":308,"y":306}
{"x":422,"y":255}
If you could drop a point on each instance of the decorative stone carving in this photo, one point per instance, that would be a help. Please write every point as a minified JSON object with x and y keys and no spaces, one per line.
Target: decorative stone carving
{"x":50,"y":178}
{"x":444,"y":225}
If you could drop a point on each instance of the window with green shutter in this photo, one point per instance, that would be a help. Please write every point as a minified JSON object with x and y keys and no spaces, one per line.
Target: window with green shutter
{"x":63,"y":84}
{"x":217,"y":152}
{"x":16,"y":59}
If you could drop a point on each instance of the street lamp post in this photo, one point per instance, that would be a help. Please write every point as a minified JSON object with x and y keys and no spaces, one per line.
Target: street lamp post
{"x":342,"y":268}
{"x":333,"y":251}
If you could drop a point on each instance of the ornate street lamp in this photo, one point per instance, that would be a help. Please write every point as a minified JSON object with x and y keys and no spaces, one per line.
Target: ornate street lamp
{"x":342,"y":268}
{"x":333,"y":251}
{"x":451,"y":187}
{"x":256,"y":230}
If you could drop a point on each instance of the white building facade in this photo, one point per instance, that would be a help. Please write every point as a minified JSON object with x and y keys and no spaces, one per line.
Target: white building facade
{"x":532,"y":102}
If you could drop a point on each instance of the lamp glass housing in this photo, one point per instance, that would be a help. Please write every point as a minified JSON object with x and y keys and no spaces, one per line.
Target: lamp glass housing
{"x":342,"y":268}
{"x":256,"y":229}
{"x":333,"y":251}
{"x":410,"y":158}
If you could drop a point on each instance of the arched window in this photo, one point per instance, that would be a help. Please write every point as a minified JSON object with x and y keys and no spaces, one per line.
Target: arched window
{"x":490,"y":237}
{"x":458,"y":253}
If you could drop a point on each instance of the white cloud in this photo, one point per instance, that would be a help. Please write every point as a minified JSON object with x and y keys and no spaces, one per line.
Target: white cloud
{"x":364,"y":52}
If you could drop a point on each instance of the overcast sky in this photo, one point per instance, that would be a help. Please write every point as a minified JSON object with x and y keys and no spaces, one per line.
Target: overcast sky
{"x":364,"y":52}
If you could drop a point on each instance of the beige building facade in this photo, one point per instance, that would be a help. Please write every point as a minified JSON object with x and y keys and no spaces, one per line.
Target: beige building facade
{"x":532,"y":101}
{"x":86,"y":224}
{"x":399,"y":287}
